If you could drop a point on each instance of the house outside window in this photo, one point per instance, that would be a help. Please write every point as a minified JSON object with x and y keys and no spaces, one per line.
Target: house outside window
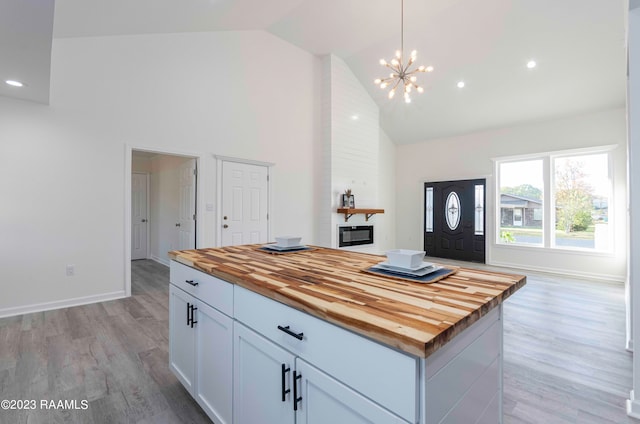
{"x":555,"y":200}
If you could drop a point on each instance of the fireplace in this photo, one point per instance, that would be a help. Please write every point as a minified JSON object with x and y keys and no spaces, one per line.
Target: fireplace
{"x":355,"y":235}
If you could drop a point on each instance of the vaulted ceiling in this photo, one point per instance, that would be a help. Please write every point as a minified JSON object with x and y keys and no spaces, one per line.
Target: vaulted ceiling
{"x":578,"y":45}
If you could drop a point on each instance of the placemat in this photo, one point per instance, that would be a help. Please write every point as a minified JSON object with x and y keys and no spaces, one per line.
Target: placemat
{"x":425,"y":279}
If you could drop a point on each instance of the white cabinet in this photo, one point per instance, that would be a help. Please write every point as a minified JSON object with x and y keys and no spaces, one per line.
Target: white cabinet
{"x":262,"y":380}
{"x":201,"y":345}
{"x":272,"y":386}
{"x":181,"y":337}
{"x":325,"y":400}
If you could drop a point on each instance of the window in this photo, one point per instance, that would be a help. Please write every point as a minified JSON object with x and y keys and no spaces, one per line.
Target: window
{"x":581,"y":193}
{"x":556,"y":200}
{"x":521,"y":202}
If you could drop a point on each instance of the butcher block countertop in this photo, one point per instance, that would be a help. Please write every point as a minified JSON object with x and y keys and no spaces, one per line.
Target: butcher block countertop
{"x":328,"y":283}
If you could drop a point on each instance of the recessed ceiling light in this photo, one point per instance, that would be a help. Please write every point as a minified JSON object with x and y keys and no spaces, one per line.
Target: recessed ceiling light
{"x":355,"y":117}
{"x":14,"y":83}
{"x":531,"y":64}
{"x":460,"y":84}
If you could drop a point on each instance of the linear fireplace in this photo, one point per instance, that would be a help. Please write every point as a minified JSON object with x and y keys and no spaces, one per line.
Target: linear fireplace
{"x":355,"y":235}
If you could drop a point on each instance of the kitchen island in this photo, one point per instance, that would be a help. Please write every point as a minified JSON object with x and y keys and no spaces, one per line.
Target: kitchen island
{"x":309,"y":337}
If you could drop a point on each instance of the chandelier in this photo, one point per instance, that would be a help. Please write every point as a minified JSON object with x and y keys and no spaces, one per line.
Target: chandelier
{"x":402,"y":76}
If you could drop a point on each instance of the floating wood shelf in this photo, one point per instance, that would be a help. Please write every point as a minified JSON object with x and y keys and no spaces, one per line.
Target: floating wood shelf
{"x":348,"y":213}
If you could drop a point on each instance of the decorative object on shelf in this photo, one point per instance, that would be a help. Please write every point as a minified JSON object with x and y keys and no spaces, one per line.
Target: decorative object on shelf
{"x":348,"y":199}
{"x":402,"y":74}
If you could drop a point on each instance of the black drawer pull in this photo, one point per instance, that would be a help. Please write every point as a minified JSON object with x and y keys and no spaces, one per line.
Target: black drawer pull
{"x":285,"y":370}
{"x":298,"y":336}
{"x":296,"y":398}
{"x":191,"y":282}
{"x":188,"y":313}
{"x":193,"y":308}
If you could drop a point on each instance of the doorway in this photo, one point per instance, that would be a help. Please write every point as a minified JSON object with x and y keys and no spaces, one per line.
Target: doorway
{"x":454,"y":219}
{"x":166,"y":219}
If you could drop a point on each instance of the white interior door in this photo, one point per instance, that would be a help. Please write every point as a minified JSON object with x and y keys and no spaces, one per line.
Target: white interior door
{"x":139,"y":220}
{"x":245,"y":203}
{"x":186,"y":224}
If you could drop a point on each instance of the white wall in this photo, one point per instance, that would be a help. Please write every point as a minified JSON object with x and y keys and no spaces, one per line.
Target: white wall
{"x":470,"y":156}
{"x":356,"y":156}
{"x":633,"y":97}
{"x":63,"y":167}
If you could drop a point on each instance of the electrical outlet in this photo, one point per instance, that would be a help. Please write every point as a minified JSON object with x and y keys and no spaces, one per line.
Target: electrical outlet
{"x":71,"y":270}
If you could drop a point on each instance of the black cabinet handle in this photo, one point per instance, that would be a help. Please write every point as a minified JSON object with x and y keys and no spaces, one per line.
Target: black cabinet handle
{"x":191,"y":282}
{"x":296,"y":376}
{"x":298,"y":336}
{"x":188,"y":313}
{"x":285,"y":370}
{"x":193,"y":308}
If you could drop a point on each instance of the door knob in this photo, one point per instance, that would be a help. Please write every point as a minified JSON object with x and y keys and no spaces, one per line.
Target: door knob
{"x":144,"y":220}
{"x":224,"y":217}
{"x":225,"y":226}
{"x":177,"y":224}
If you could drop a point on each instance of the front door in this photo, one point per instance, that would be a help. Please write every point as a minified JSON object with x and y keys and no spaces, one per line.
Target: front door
{"x":244,"y":203}
{"x":455,"y":220}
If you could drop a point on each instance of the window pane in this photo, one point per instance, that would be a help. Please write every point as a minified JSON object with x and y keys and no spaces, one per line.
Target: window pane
{"x":479,"y":212}
{"x":521,"y":202}
{"x":581,"y":188}
{"x":428,"y":207}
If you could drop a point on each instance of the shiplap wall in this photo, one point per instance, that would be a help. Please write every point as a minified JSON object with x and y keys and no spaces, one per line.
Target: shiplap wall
{"x":351,"y":154}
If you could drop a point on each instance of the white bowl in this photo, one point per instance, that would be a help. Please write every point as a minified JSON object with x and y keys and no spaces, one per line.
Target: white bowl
{"x":405,"y":258}
{"x":288,"y":241}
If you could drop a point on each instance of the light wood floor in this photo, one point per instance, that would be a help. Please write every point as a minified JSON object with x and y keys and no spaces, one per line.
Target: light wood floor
{"x":564,"y":354}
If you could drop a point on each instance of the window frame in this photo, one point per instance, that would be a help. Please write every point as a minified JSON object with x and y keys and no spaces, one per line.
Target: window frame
{"x":548,"y":198}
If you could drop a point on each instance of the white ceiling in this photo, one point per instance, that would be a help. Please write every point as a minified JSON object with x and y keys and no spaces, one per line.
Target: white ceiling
{"x":578,"y":45}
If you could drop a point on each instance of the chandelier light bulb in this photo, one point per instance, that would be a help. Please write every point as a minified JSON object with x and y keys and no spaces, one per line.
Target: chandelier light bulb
{"x":413,"y":78}
{"x":384,"y":85}
{"x":392,"y":93}
{"x":377,"y":81}
{"x":383,"y":62}
{"x":398,"y":54}
{"x":420,"y":90}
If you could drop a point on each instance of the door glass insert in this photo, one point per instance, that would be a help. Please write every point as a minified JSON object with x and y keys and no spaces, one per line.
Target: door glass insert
{"x":428,"y":210}
{"x":452,"y":210}
{"x":479,"y":213}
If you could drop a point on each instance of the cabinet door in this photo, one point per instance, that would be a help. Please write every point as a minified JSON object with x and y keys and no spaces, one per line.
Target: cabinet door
{"x":214,"y":350}
{"x":325,"y":400}
{"x":258,"y":380}
{"x":181,"y":337}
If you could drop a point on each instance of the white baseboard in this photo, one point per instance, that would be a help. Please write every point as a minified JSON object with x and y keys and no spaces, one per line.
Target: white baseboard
{"x":47,"y":306}
{"x":586,"y":275}
{"x":633,"y":406}
{"x":164,"y":262}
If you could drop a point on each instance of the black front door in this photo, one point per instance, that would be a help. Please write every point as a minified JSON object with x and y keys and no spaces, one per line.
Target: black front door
{"x":454,"y":220}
